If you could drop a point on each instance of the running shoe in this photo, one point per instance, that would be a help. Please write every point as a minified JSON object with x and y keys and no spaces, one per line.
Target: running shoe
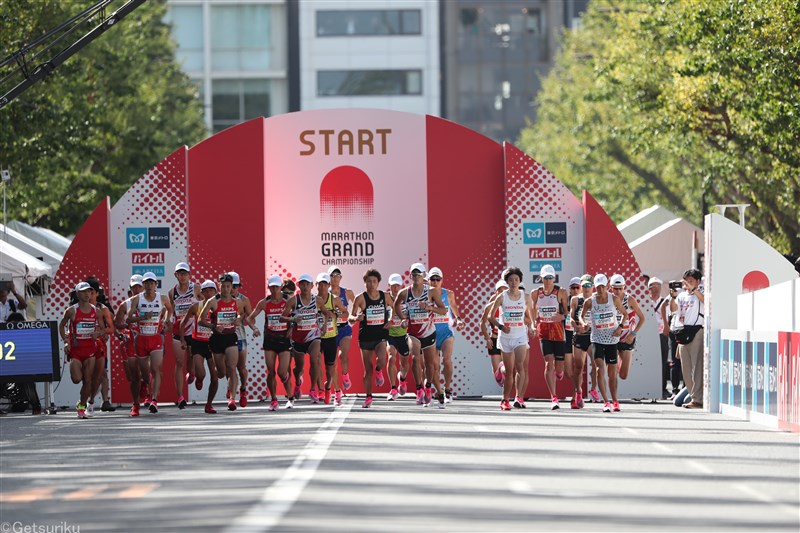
{"x":403,"y":388}
{"x":428,"y":395}
{"x":519,"y":403}
{"x":144,"y":393}
{"x":448,"y":395}
{"x":554,"y":403}
{"x":90,"y":409}
{"x":243,"y":398}
{"x":297,"y":393}
{"x":420,"y":396}
{"x":198,"y":384}
{"x":227,"y":395}
{"x":273,"y":406}
{"x":615,"y":407}
{"x":560,"y":375}
{"x":189,"y":378}
{"x":346,"y":383}
{"x":231,"y":405}
{"x":82,"y":411}
{"x":289,"y":404}
{"x":210,"y":409}
{"x":498,"y":377}
{"x":574,"y":403}
{"x":595,"y":398}
{"x":337,"y":398}
{"x":153,"y":406}
{"x":313,"y":395}
{"x":505,"y":406}
{"x":607,"y":407}
{"x":392,"y":396}
{"x":379,"y":378}
{"x":441,"y":399}
{"x":580,"y":401}
{"x":367,"y":403}
{"x":327,"y":396}
{"x":181,"y":403}
{"x":135,"y":409}
{"x":107,"y":407}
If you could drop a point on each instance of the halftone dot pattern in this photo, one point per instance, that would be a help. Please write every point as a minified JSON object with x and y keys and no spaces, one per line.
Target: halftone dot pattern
{"x":531,"y":191}
{"x":473,"y":282}
{"x":346,"y":193}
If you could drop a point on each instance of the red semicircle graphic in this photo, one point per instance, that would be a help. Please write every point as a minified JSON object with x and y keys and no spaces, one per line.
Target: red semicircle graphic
{"x":754,"y":280}
{"x":346,"y":192}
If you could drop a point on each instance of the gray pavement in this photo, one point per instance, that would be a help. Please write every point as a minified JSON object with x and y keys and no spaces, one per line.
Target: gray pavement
{"x":399,"y":467}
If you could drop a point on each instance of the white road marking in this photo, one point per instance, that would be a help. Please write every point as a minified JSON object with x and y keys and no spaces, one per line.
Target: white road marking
{"x":766,"y":499}
{"x":631,"y":431}
{"x":279,"y":497}
{"x":703,"y":469}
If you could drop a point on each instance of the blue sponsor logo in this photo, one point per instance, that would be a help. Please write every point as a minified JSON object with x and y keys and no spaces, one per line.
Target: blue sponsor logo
{"x":533,"y":232}
{"x":136,"y":238}
{"x":556,"y":232}
{"x":536,"y":266}
{"x":158,"y":270}
{"x":158,"y":237}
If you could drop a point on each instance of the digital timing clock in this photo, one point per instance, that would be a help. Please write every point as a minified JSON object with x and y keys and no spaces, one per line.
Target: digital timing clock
{"x":29,"y":351}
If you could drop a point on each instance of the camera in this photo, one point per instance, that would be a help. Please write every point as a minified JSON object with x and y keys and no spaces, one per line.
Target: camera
{"x":675,"y":285}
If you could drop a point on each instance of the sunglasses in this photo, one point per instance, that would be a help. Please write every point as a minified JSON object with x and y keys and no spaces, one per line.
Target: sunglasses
{"x":587,"y":285}
{"x":416,"y":273}
{"x":435,"y":278}
{"x":617,"y":288}
{"x":549,"y":277}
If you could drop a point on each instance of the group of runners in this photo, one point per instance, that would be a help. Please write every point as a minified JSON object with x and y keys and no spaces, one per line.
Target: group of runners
{"x":405,"y":330}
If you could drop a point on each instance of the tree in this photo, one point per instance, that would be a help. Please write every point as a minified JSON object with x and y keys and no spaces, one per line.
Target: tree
{"x":100,"y":120}
{"x":682,"y":103}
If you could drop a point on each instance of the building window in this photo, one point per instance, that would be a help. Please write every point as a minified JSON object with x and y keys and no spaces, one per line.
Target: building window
{"x":369,"y":22}
{"x":240,"y":37}
{"x":369,"y":82}
{"x":234,"y":101}
{"x":187,"y":29}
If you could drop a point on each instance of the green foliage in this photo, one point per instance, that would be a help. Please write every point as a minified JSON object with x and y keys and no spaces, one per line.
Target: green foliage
{"x":100,"y":120}
{"x":683,"y":103}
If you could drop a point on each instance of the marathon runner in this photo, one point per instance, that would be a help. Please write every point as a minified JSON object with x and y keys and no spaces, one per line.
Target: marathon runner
{"x":329,"y":332}
{"x":550,"y":304}
{"x":241,"y":337}
{"x":444,"y":331}
{"x":80,"y":329}
{"x":125,"y":335}
{"x":106,"y":320}
{"x":344,"y":332}
{"x":399,"y":349}
{"x":627,"y":339}
{"x":581,"y":340}
{"x":182,"y":296}
{"x":201,"y":351}
{"x":490,"y":333}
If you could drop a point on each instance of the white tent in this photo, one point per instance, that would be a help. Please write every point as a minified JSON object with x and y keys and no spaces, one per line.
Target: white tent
{"x":23,"y":267}
{"x":36,"y":249}
{"x":48,"y":238}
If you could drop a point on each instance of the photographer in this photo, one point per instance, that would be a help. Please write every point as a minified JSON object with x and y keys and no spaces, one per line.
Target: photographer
{"x":9,"y":305}
{"x":675,"y":374}
{"x":689,"y":324}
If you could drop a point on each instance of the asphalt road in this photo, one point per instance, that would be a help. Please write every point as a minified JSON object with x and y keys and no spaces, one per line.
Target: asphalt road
{"x":398,"y":467}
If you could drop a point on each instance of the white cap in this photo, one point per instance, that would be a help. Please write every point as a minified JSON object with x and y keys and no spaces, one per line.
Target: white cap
{"x":334,"y":268}
{"x":182,"y":266}
{"x":395,"y":279}
{"x":435,"y":271}
{"x":500,"y":284}
{"x":305,"y":277}
{"x":617,"y":279}
{"x":82,"y":286}
{"x":600,"y":279}
{"x":548,"y":270}
{"x":208,"y":284}
{"x":574,"y":281}
{"x":417,"y":266}
{"x":149,"y":276}
{"x":323,"y":277}
{"x":275,"y":281}
{"x":136,"y":279}
{"x":654,"y":280}
{"x":236,"y":279}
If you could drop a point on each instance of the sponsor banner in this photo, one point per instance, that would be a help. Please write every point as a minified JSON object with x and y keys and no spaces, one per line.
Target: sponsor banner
{"x":147,"y":258}
{"x":536,"y":267}
{"x":158,"y":270}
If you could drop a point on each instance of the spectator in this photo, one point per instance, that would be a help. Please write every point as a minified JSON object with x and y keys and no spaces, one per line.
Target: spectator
{"x":10,"y":304}
{"x":674,"y":363}
{"x":654,"y":285}
{"x":689,"y":334}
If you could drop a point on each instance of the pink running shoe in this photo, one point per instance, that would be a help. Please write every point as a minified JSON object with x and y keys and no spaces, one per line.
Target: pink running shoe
{"x":392,"y":396}
{"x":198,"y":384}
{"x":227,"y":395}
{"x":580,"y":401}
{"x":615,"y":407}
{"x":153,"y":406}
{"x":574,"y":403}
{"x":595,"y":398}
{"x":498,"y":377}
{"x":428,"y":396}
{"x":189,"y":378}
{"x":313,"y":395}
{"x":554,"y":403}
{"x":243,"y":398}
{"x":505,"y":406}
{"x":337,"y":398}
{"x":402,"y":389}
{"x":367,"y":403}
{"x":135,"y":409}
{"x":210,"y":409}
{"x":273,"y":406}
{"x":82,"y":412}
{"x":519,"y":403}
{"x":231,"y":405}
{"x":607,"y":407}
{"x":327,"y":396}
{"x":420,"y":396}
{"x":379,"y":378}
{"x":297,"y":393}
{"x":346,"y":383}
